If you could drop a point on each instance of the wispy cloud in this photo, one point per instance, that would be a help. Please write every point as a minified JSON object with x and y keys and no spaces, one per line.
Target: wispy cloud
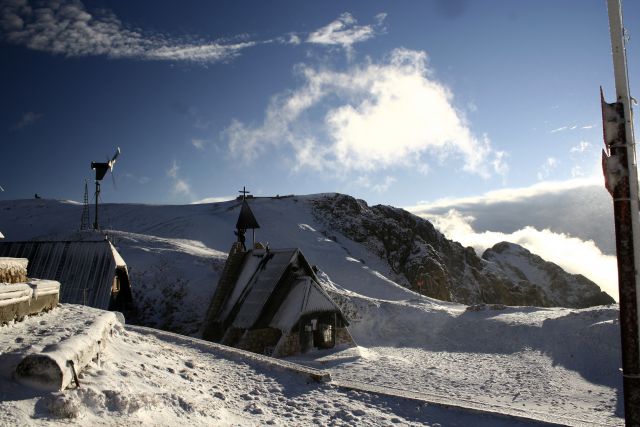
{"x":345,"y":32}
{"x":572,"y":127}
{"x":198,"y":143}
{"x":138,"y":179}
{"x":547,"y":167}
{"x":509,"y":195}
{"x":390,"y":114}
{"x":581,"y":147}
{"x":27,"y":119}
{"x":379,"y":186}
{"x":180,"y":185}
{"x":67,"y":28}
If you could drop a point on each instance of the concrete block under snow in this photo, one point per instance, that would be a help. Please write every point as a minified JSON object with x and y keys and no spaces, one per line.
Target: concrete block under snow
{"x":53,"y":368}
{"x":21,"y":299}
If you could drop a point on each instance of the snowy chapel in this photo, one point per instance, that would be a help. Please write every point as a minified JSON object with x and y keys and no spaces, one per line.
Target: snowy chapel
{"x":270,"y":301}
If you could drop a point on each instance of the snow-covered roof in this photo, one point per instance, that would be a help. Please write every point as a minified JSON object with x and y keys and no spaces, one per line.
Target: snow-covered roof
{"x":116,"y":256}
{"x":85,"y":270}
{"x":264,"y":281}
{"x":269,"y":281}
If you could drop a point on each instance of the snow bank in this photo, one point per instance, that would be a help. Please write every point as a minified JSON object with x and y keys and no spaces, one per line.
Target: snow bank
{"x":58,"y":364}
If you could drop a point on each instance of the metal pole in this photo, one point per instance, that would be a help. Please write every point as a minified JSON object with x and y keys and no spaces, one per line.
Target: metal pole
{"x":95,"y":223}
{"x":625,"y":197}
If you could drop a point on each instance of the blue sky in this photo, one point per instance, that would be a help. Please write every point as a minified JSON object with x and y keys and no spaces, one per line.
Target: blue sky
{"x":392,"y":102}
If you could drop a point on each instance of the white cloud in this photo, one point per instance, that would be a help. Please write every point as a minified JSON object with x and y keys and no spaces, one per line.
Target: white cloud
{"x":509,"y":195}
{"x":577,"y":171}
{"x":574,"y":255}
{"x":377,"y":116}
{"x":173,"y":170}
{"x":345,"y":32}
{"x":65,"y":27}
{"x":379,"y":187}
{"x":198,"y":143}
{"x":547,"y":167}
{"x":581,"y":147}
{"x":138,"y":179}
{"x":572,"y":127}
{"x":27,"y":119}
{"x":499,"y":163}
{"x":180,"y":185}
{"x":560,"y":129}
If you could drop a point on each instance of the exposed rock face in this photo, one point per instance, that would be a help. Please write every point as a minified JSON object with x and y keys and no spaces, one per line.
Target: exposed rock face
{"x":560,"y":287}
{"x":426,"y":261}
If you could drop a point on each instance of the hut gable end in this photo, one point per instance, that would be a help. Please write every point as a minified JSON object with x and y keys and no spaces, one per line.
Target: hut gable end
{"x":277,"y":306}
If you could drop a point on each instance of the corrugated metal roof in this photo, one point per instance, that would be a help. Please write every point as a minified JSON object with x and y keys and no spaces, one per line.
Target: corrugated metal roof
{"x":85,"y":270}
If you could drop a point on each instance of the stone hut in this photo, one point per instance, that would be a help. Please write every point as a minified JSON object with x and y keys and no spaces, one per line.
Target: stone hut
{"x":271,"y":302}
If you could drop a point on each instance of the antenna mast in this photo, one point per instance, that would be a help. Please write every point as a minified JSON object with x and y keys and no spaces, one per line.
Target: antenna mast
{"x":621,"y":179}
{"x":84,"y":220}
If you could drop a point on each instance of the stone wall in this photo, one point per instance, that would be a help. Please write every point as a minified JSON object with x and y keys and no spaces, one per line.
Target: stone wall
{"x":288,"y":345}
{"x":343,"y":336}
{"x":256,"y":340}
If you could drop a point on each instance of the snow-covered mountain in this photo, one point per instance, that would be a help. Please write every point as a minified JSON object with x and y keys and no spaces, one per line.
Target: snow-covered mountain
{"x":423,"y":259}
{"x":175,"y":253}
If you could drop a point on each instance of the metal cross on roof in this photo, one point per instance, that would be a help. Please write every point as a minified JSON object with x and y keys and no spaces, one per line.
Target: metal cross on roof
{"x":244,"y":192}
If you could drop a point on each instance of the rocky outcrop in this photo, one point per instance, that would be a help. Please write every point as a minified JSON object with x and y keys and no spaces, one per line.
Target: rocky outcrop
{"x":424,"y":260}
{"x":560,"y":287}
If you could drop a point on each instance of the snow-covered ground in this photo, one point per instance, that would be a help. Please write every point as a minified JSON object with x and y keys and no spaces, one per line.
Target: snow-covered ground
{"x":561,"y":363}
{"x":141,"y":379}
{"x":556,"y":361}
